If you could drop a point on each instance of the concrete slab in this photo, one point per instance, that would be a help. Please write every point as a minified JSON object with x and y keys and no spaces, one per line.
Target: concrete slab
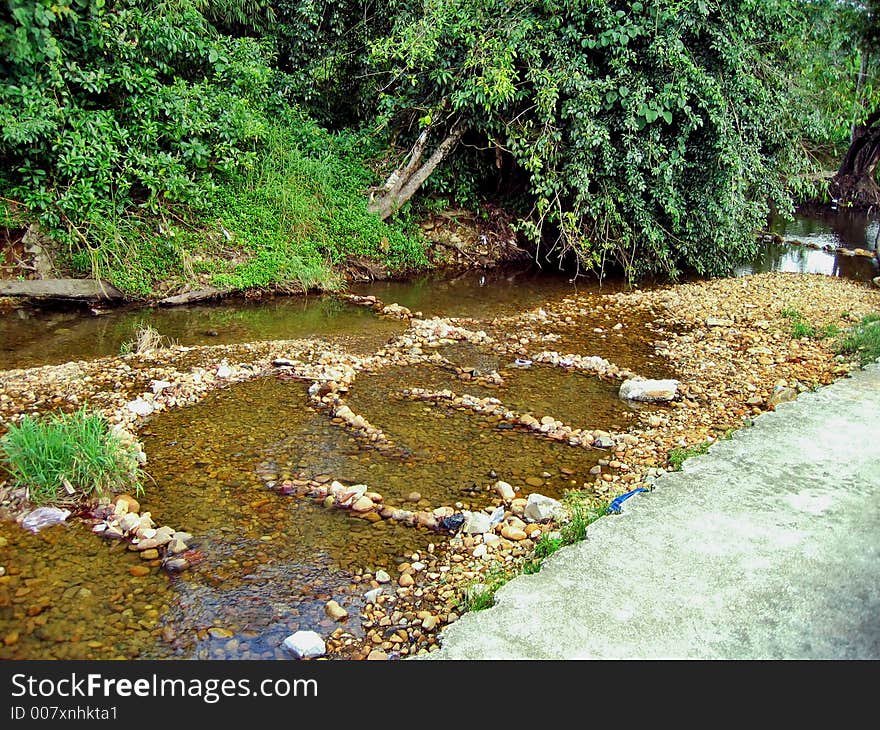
{"x":768,"y":547}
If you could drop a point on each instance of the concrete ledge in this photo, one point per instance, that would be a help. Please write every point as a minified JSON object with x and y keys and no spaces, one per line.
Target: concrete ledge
{"x":765,"y":548}
{"x":74,"y":289}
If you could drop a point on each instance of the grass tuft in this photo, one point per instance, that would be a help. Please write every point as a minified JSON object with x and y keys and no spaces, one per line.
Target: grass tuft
{"x":583,"y":515}
{"x":678,"y":456}
{"x":145,"y":340}
{"x":863,"y":340}
{"x":66,"y":458}
{"x":480,"y":594}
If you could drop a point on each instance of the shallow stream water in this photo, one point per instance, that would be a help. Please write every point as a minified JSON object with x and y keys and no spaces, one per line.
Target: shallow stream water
{"x":265,"y":564}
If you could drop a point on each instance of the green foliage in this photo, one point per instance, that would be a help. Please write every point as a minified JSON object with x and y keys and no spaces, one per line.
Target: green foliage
{"x":863,"y":340}
{"x":161,"y":142}
{"x":583,"y":514}
{"x":678,"y":456}
{"x":76,"y":450}
{"x":650,"y":134}
{"x":480,"y":594}
{"x":802,"y":329}
{"x":143,"y":140}
{"x":301,"y":210}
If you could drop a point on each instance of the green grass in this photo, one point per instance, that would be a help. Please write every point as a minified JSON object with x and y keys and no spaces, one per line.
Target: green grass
{"x":480,"y":594}
{"x":68,"y":458}
{"x":863,"y":340}
{"x":583,"y":514}
{"x":801,"y":329}
{"x":678,"y":456}
{"x":288,"y":220}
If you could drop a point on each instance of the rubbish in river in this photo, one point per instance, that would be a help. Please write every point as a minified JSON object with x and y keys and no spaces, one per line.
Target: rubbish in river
{"x":614,"y":507}
{"x":452,"y":522}
{"x":44,"y":517}
{"x":521,"y":362}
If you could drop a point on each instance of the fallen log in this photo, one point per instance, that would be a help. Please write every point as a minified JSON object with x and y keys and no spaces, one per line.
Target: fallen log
{"x":190,"y":297}
{"x":74,"y":289}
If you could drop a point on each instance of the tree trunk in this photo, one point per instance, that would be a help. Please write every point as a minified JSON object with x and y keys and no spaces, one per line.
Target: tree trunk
{"x":403,"y":183}
{"x":855,"y":182}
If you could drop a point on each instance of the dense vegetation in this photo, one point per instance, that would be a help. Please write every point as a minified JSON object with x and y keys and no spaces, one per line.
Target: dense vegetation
{"x":258,"y":143}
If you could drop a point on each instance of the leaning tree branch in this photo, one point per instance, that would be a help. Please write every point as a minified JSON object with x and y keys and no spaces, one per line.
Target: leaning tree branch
{"x":403,"y":183}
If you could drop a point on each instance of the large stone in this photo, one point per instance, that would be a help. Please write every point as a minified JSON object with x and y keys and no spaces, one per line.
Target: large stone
{"x":382,"y":576}
{"x":650,"y":391}
{"x":505,"y":491}
{"x":782,"y":394}
{"x":305,"y":645}
{"x":130,"y":521}
{"x":175,"y":546}
{"x":362,"y":504}
{"x":335,"y":611}
{"x":176,"y":565}
{"x":131,"y":504}
{"x":140,"y":407}
{"x":347,"y":495}
{"x":476,"y":523}
{"x":60,"y":289}
{"x":540,"y":508}
{"x":511,"y":532}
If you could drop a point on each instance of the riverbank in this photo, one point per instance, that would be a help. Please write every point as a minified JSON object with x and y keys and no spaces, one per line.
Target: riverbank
{"x":729,"y":343}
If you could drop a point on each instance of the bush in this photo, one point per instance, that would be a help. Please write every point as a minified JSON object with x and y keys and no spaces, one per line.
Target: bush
{"x":68,"y":458}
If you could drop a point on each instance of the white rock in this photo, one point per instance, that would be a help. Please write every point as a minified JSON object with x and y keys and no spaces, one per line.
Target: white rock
{"x":718,"y":322}
{"x":540,"y":508}
{"x":479,"y":551}
{"x":159,"y":385}
{"x":497,"y":517}
{"x":44,"y":517}
{"x":347,"y":496}
{"x":130,"y":521}
{"x":373,"y":595}
{"x":476,"y":523}
{"x":382,"y":576}
{"x":651,"y":391}
{"x":505,"y":491}
{"x":305,"y":645}
{"x":140,"y":407}
{"x":224,"y":371}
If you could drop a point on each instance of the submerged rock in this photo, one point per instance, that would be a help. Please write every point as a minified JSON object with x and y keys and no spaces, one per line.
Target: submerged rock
{"x":505,"y":491}
{"x":335,"y":611}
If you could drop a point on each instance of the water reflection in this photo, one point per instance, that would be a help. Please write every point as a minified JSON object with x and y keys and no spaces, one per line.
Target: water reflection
{"x":821,"y":242}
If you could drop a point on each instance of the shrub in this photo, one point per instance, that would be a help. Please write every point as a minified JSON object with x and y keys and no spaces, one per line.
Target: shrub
{"x":68,"y":458}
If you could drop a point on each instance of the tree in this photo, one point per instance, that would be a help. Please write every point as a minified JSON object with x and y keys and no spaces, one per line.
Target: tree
{"x":650,"y":135}
{"x":856,"y":180}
